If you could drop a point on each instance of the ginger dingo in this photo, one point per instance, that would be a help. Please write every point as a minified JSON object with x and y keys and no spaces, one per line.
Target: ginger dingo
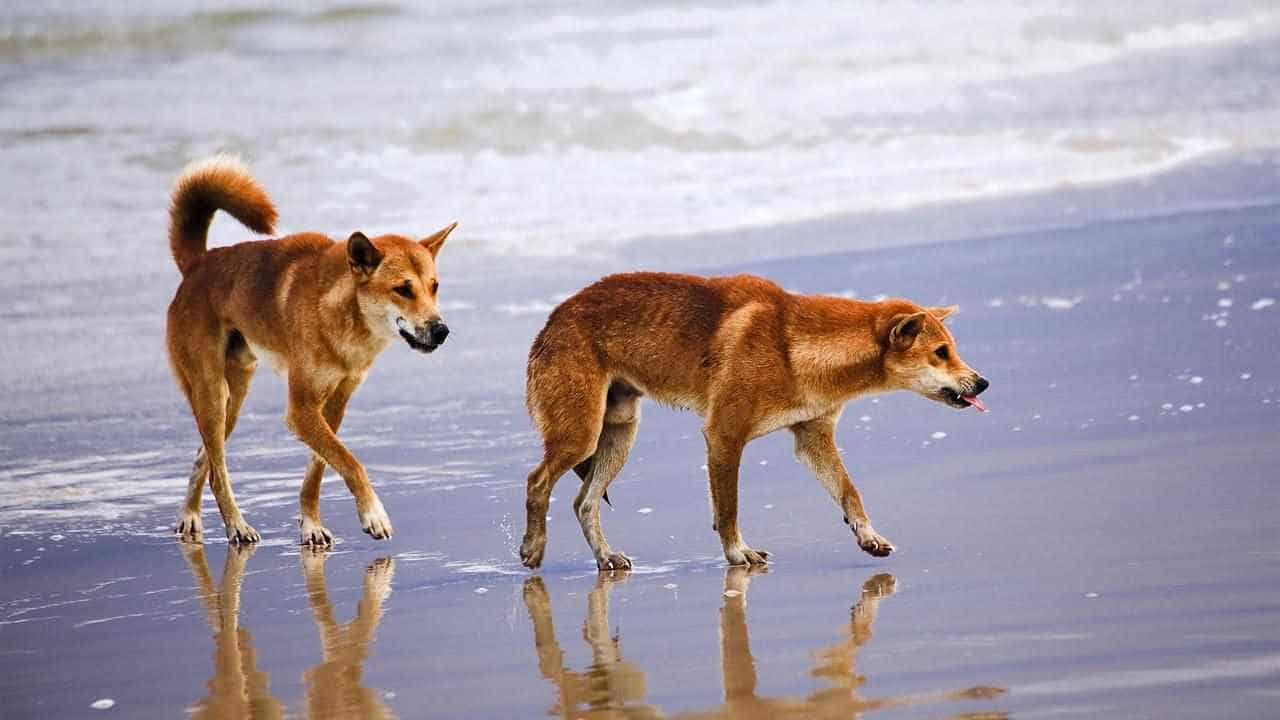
{"x":317,"y":310}
{"x":742,"y":352}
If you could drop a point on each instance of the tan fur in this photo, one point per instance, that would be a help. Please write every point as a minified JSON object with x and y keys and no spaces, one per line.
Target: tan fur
{"x":319,"y":311}
{"x":748,"y":356}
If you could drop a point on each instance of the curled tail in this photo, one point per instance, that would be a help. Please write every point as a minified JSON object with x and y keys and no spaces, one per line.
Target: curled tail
{"x":218,"y":183}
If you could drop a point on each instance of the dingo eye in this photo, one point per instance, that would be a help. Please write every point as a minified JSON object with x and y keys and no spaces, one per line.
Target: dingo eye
{"x":943,"y":352}
{"x":405,"y":291}
{"x":435,"y":286}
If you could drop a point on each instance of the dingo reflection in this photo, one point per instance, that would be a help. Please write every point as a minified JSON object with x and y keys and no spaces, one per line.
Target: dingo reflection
{"x":334,"y":689}
{"x":611,"y":686}
{"x":615,"y":688}
{"x":238,"y":689}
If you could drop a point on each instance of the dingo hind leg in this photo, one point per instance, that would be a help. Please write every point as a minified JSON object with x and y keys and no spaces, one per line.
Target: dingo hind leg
{"x":201,"y":353}
{"x":621,"y":419}
{"x":567,"y":404}
{"x":238,"y":373}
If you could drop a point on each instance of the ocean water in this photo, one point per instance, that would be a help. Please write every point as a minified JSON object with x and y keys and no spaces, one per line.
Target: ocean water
{"x":565,"y":130}
{"x":1095,"y":186}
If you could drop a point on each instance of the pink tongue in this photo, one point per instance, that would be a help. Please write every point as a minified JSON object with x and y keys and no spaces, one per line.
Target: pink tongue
{"x":974,"y":402}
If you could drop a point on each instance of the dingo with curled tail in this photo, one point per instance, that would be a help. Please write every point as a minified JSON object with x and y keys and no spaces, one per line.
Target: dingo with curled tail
{"x":745,"y":354}
{"x":319,"y":311}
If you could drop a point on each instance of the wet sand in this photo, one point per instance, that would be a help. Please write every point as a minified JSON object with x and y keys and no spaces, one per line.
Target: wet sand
{"x":1103,"y":542}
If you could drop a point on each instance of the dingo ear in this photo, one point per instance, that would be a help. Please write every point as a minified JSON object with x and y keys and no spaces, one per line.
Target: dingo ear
{"x":436,"y":241}
{"x":363,"y":256}
{"x":942,"y":313}
{"x":905,"y":329}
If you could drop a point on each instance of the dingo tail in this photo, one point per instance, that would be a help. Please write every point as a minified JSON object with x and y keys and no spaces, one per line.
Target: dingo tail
{"x":205,"y":187}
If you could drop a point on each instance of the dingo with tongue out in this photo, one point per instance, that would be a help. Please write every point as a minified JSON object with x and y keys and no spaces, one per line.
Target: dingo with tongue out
{"x":742,"y":352}
{"x":921,"y":356}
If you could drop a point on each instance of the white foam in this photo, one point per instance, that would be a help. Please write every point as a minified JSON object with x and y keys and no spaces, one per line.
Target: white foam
{"x":456,"y":305}
{"x":1060,"y":303}
{"x":1261,"y":303}
{"x":533,"y":307}
{"x":471,"y":567}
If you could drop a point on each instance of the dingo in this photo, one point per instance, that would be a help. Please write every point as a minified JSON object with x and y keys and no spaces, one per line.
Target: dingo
{"x":318,"y":311}
{"x":740,"y":351}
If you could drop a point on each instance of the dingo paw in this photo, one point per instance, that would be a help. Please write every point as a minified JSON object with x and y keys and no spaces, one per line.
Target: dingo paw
{"x":314,"y":534}
{"x":240,"y":532}
{"x":532,"y":549}
{"x":872,"y":542}
{"x":375,"y":522}
{"x":189,"y":527}
{"x":743,"y":555}
{"x":614,"y":561}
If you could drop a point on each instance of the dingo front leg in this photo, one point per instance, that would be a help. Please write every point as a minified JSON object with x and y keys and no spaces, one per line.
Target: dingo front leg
{"x":724,"y":454}
{"x":308,"y":423}
{"x":816,"y":448}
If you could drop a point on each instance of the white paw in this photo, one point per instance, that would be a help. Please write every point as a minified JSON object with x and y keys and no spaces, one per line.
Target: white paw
{"x":872,"y":542}
{"x":740,"y":554}
{"x":375,"y":522}
{"x":239,"y":532}
{"x":189,"y":527}
{"x":314,"y":534}
{"x":613,"y":561}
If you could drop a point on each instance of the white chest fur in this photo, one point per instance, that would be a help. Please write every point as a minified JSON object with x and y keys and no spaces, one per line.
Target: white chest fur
{"x":275,"y":360}
{"x":791,"y":416}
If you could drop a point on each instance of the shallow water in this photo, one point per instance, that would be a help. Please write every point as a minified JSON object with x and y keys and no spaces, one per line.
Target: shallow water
{"x":1101,"y":542}
{"x":565,"y":129}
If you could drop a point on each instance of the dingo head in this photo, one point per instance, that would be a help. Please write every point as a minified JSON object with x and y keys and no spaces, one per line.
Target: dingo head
{"x":396,"y":286}
{"x":921,"y":356}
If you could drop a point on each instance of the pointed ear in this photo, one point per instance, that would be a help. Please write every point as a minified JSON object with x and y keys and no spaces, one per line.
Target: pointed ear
{"x":905,"y":329}
{"x":436,"y":241}
{"x":363,"y":256}
{"x":942,"y":313}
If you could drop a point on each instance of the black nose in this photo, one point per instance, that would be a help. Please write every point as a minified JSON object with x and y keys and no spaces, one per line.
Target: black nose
{"x":981,"y":385}
{"x":439,"y":331}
